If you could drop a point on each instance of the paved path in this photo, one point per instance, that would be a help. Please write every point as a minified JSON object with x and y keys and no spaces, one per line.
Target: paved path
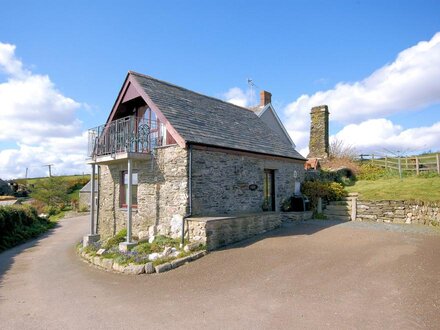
{"x":312,"y":275}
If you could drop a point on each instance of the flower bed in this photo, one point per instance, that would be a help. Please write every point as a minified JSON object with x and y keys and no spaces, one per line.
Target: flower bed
{"x":159,"y":255}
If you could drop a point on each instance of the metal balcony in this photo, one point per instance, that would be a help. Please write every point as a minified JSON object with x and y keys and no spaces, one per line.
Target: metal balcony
{"x":128,"y":135}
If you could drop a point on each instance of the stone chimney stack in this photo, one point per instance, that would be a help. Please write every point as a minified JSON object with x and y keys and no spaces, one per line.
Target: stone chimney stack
{"x":319,"y":142}
{"x":265,"y":98}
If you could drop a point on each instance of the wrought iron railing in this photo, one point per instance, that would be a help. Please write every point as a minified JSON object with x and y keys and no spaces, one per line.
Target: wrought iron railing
{"x":128,"y":134}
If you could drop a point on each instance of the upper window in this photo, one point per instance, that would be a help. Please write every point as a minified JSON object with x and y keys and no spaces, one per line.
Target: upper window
{"x":123,"y":197}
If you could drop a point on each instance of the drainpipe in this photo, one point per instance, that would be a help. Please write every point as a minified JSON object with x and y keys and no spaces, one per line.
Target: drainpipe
{"x":129,"y":200}
{"x":97,"y":198}
{"x":92,"y":201}
{"x":182,"y":243}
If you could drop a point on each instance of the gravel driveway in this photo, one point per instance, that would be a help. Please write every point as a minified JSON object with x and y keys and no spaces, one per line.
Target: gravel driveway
{"x":317,"y":274}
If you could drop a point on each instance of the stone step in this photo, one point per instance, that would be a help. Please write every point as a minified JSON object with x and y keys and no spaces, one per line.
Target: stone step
{"x":338,"y":208}
{"x":345,"y":203}
{"x":337,"y":212}
{"x":338,"y":217}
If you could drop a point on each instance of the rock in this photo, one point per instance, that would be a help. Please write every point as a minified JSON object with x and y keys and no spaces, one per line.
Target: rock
{"x":176,"y":225}
{"x":133,"y":269}
{"x":163,"y":267}
{"x":167,"y":251}
{"x":191,"y":246}
{"x":198,"y":255}
{"x":143,"y":235}
{"x":175,"y":254}
{"x":149,"y":268}
{"x":181,"y":261}
{"x":118,"y":268}
{"x":153,"y":256}
{"x":151,"y":239}
{"x":152,"y":231}
{"x":106,"y":263}
{"x":100,"y":252}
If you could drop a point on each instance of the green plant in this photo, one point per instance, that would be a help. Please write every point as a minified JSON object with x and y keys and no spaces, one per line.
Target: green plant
{"x":115,"y":240}
{"x":370,"y":172}
{"x":329,"y":191}
{"x":320,"y":216}
{"x":52,"y":192}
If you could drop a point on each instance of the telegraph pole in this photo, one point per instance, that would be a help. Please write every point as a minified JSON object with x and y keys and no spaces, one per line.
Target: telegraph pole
{"x":50,"y":169}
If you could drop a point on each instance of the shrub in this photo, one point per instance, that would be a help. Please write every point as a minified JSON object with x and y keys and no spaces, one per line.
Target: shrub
{"x":370,"y":172}
{"x":19,"y":223}
{"x":329,"y":191}
{"x":115,"y":240}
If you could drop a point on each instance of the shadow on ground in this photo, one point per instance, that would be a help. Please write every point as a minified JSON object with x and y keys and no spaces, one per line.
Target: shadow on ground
{"x":7,"y":257}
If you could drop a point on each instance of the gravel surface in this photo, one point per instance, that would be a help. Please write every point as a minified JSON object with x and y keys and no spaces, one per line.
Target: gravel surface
{"x":312,"y":275}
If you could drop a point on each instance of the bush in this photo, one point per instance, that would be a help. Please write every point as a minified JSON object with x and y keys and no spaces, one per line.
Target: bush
{"x":329,"y":191}
{"x":115,"y":240}
{"x":19,"y":223}
{"x":370,"y":172}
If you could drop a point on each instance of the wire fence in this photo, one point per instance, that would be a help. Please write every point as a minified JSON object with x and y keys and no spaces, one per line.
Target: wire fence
{"x":413,"y":164}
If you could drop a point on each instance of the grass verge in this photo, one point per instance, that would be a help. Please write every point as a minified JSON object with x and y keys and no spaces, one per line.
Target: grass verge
{"x":409,"y":188}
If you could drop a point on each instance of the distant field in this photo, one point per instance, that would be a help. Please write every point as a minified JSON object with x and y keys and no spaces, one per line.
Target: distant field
{"x":409,"y":188}
{"x":66,"y":177}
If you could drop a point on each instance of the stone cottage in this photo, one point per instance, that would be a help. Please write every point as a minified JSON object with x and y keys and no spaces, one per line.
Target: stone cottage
{"x":167,"y":153}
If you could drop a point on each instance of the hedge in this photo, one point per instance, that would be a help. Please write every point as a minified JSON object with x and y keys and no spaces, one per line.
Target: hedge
{"x":19,"y":223}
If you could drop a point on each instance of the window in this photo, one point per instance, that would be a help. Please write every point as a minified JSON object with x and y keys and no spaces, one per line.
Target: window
{"x":124,"y":189}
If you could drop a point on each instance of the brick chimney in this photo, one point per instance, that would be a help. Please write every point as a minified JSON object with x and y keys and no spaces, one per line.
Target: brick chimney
{"x":265,"y":98}
{"x":319,"y":144}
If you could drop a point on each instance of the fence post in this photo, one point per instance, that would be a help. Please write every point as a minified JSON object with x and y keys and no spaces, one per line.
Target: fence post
{"x":372,"y":158}
{"x":438,"y":163}
{"x":386,"y":162}
{"x":417,"y":166}
{"x":400,"y":168}
{"x":406,"y":162}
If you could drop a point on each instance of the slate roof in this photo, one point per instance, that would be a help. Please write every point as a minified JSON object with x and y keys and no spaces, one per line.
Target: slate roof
{"x":206,"y":120}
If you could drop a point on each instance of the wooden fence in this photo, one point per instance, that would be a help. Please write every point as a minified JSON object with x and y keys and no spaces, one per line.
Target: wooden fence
{"x":417,"y":164}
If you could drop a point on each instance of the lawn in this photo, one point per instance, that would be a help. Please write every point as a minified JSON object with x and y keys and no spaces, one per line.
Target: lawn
{"x":409,"y":188}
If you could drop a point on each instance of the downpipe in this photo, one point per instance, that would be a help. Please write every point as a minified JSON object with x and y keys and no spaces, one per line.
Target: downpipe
{"x":182,"y":242}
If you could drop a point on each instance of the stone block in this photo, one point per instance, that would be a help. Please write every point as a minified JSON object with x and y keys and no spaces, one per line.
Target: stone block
{"x":163,"y":267}
{"x":198,"y":255}
{"x":90,"y":239}
{"x":126,"y":246}
{"x":179,"y":262}
{"x":134,"y":269}
{"x":149,"y":268}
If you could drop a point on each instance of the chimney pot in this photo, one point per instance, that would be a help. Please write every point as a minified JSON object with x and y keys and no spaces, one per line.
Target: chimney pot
{"x":265,"y":98}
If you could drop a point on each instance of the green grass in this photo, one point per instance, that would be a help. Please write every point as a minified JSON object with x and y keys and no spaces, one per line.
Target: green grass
{"x":408,"y":188}
{"x":65,"y":177}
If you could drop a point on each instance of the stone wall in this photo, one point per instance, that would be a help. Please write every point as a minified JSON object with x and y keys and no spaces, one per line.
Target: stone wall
{"x":216,"y":232}
{"x":84,"y":200}
{"x":319,"y":139}
{"x":409,"y":212}
{"x":162,"y":193}
{"x":220,"y":181}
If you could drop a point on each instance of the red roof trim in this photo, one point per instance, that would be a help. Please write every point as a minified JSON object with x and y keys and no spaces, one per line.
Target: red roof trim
{"x":130,"y":80}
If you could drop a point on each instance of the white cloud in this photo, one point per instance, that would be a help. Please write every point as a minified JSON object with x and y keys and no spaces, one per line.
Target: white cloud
{"x":381,"y":136}
{"x":37,"y":118}
{"x":408,"y":83}
{"x":237,"y":96}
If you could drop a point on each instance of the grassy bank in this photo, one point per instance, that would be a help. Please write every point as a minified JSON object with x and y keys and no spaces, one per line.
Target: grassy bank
{"x":19,"y":223}
{"x":409,"y":188}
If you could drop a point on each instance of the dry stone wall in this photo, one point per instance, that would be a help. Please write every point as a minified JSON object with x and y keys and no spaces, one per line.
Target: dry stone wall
{"x":221,"y":182}
{"x":162,"y":193}
{"x":410,"y":212}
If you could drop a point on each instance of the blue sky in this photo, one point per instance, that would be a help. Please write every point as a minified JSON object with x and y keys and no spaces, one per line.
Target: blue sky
{"x":290,"y":48}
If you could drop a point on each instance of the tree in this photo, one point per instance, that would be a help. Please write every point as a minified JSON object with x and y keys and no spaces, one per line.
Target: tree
{"x":52,"y":192}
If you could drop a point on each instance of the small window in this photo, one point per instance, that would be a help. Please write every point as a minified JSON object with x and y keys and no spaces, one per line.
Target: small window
{"x":124,"y":189}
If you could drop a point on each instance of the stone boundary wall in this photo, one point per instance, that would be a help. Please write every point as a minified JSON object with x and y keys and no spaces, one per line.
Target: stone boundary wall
{"x":219,"y":231}
{"x":410,"y":212}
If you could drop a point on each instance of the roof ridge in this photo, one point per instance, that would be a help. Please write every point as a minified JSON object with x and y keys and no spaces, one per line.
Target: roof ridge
{"x":186,"y":89}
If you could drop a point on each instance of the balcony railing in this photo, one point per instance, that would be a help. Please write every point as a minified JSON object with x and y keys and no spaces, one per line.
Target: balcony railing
{"x":128,"y":134}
